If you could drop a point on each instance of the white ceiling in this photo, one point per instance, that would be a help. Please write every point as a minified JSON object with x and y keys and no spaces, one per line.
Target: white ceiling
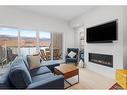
{"x":61,"y":12}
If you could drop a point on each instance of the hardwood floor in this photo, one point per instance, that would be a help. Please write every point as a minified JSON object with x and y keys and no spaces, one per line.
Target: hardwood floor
{"x":89,"y":80}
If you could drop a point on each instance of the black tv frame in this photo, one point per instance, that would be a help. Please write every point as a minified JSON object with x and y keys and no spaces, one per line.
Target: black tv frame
{"x":106,"y":41}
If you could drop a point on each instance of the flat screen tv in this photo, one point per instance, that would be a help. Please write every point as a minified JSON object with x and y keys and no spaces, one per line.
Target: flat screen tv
{"x":104,"y":33}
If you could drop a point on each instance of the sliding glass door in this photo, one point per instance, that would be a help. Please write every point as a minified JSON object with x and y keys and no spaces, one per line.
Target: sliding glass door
{"x":28,"y":42}
{"x":14,"y":42}
{"x":8,"y":44}
{"x":45,"y":45}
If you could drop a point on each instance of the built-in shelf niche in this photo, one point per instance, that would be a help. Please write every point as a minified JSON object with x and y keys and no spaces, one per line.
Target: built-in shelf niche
{"x":82,"y":37}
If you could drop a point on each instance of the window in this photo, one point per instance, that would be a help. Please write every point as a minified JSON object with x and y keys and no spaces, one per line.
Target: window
{"x":57,"y":46}
{"x":28,"y":42}
{"x":8,"y":43}
{"x":45,"y":44}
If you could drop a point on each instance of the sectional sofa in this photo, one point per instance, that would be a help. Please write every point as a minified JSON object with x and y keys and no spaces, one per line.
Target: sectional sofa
{"x":19,"y":76}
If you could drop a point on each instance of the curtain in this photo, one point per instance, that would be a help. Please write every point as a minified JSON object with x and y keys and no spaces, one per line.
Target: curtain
{"x":57,"y":45}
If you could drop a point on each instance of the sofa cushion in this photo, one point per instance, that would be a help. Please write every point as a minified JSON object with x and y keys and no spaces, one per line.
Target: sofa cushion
{"x":39,"y":70}
{"x":42,"y":77}
{"x":50,"y":65}
{"x":4,"y":81}
{"x":71,"y":60}
{"x":19,"y":75}
{"x":47,"y":81}
{"x":34,"y":61}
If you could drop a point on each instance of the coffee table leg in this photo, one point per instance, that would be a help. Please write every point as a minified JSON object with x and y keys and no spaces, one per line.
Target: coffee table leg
{"x":78,"y":77}
{"x":71,"y":84}
{"x":68,"y":83}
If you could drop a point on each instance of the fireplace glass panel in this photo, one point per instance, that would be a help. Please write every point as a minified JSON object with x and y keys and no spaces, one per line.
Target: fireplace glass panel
{"x":102,"y":59}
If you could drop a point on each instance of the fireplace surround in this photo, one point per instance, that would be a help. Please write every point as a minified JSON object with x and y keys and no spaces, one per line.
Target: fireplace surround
{"x":101,"y":59}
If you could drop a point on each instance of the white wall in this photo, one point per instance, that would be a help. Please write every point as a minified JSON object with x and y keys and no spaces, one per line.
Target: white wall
{"x":77,"y":38}
{"x":97,"y":16}
{"x":125,"y":38}
{"x":10,"y":16}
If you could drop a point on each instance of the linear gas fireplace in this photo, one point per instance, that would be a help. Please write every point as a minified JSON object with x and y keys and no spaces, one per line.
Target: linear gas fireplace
{"x":101,"y":59}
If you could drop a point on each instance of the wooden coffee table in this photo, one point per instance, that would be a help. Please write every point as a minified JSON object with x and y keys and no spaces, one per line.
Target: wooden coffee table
{"x":68,"y":71}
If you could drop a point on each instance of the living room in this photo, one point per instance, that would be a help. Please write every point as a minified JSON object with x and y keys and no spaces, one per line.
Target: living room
{"x":62,"y":30}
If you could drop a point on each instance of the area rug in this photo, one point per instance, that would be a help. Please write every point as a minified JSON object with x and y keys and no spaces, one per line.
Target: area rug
{"x":116,"y":86}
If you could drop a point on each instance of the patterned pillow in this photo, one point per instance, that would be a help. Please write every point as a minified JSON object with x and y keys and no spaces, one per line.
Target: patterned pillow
{"x":71,"y":54}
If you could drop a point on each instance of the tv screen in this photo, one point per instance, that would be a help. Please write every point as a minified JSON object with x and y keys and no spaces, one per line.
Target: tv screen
{"x":102,"y":33}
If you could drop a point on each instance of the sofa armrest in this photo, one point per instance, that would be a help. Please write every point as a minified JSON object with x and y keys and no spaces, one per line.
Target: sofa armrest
{"x":67,"y":56}
{"x":56,"y":82}
{"x":50,"y":65}
{"x":77,"y":56}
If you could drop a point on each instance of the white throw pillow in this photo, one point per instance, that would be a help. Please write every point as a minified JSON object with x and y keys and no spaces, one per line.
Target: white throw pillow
{"x":71,"y":54}
{"x":34,"y":61}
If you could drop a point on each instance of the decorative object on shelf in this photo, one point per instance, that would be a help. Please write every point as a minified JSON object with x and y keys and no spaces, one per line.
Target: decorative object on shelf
{"x":82,"y":37}
{"x":81,"y":59}
{"x":121,"y":78}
